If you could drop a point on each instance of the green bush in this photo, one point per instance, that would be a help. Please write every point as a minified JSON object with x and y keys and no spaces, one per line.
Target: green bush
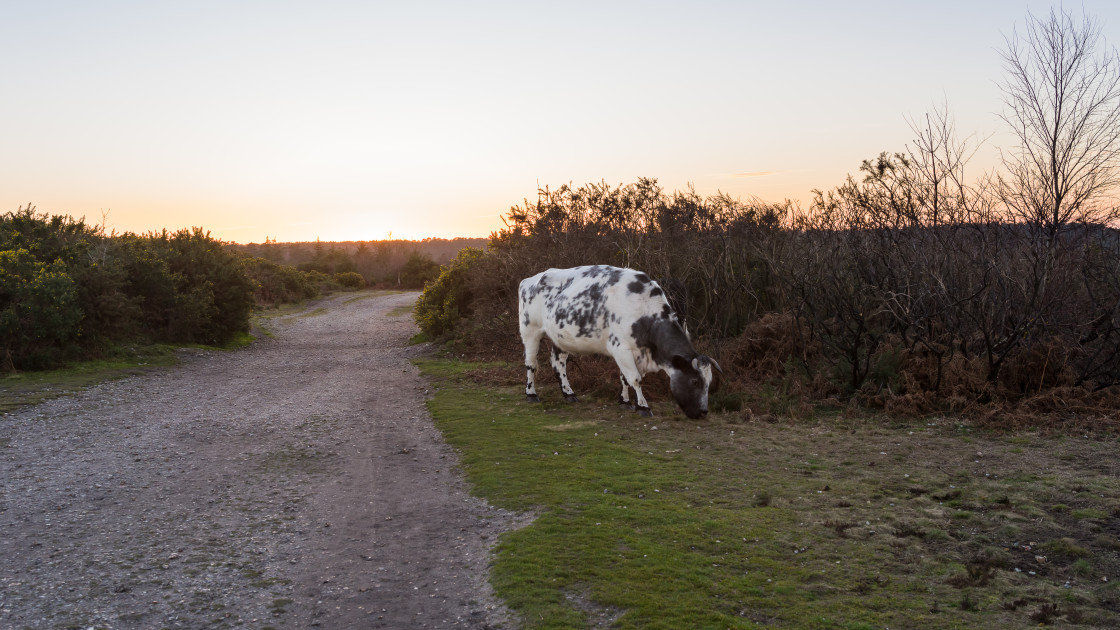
{"x":419,"y":270}
{"x":449,"y":298}
{"x":329,"y":261}
{"x":350,"y":280}
{"x":279,"y":284}
{"x":213,"y":282}
{"x":68,"y":291}
{"x":189,"y":288}
{"x":39,"y":311}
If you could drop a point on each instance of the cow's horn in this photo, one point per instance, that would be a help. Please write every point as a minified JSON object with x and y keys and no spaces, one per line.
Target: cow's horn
{"x":716,"y":371}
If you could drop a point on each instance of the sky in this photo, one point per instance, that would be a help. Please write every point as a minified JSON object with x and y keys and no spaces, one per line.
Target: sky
{"x":348,"y":120}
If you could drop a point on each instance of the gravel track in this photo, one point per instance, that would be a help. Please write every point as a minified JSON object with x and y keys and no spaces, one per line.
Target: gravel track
{"x":296,"y":483}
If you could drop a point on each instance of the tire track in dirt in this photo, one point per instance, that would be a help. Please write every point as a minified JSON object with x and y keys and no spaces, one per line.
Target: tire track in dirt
{"x":296,"y":483}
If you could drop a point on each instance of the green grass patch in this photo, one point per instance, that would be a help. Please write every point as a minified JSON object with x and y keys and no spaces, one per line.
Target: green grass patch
{"x":31,"y":388}
{"x":401,"y":311}
{"x":375,"y":293}
{"x":312,"y":313}
{"x":1090,"y":513}
{"x":733,"y":523}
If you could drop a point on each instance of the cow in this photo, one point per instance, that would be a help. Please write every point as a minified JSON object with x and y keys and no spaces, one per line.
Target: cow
{"x":620,"y":313}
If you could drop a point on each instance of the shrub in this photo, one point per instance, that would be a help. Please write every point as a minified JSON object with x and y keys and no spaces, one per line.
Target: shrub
{"x":279,"y":284}
{"x":448,"y":299}
{"x":329,"y":261}
{"x":189,"y":288}
{"x":419,"y":270}
{"x":39,"y":311}
{"x":350,"y":280}
{"x":68,"y":291}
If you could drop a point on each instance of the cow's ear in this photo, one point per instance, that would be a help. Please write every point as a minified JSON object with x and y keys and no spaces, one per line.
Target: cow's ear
{"x":680,"y":363}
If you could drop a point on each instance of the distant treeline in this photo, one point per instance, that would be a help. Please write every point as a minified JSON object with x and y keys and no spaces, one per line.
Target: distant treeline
{"x":397,"y":263}
{"x":70,"y":291}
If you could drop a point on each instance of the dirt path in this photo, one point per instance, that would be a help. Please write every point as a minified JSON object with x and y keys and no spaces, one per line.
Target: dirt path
{"x":296,"y":483}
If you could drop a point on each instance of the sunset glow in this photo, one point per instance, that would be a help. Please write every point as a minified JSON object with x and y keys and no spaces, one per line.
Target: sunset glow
{"x":354,"y":120}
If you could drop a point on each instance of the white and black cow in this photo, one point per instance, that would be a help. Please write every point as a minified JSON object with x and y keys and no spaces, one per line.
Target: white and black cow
{"x":618,"y":312}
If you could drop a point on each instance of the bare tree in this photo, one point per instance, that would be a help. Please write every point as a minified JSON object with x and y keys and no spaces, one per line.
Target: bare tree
{"x":1062,"y":98}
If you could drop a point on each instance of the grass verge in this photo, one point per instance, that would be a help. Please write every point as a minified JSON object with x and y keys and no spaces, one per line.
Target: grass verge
{"x":30,"y":388}
{"x":827,"y":523}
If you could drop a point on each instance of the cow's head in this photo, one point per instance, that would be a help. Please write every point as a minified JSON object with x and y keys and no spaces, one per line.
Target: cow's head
{"x":690,"y":380}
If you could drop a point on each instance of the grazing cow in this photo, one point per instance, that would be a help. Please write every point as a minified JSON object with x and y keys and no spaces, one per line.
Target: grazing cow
{"x":618,"y":312}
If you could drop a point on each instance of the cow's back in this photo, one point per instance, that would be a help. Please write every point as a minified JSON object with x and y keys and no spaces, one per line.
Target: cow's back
{"x":585,"y":309}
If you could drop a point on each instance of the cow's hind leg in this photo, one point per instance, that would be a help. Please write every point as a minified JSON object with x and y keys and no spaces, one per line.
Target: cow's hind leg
{"x":560,"y":368}
{"x":532,"y":340}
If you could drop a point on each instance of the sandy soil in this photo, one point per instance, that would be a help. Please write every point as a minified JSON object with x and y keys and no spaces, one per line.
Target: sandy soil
{"x":295,"y":483}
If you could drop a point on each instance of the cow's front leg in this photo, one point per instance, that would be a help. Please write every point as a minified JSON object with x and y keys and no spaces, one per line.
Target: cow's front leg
{"x":624,"y":397}
{"x":640,"y":400}
{"x":560,"y":368}
{"x":632,"y":377}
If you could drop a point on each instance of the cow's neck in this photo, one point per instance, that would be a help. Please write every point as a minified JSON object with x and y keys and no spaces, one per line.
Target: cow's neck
{"x":664,"y":339}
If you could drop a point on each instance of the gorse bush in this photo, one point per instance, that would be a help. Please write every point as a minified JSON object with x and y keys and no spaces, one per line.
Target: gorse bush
{"x":350,"y":280}
{"x":188,"y":287}
{"x":449,"y":299}
{"x":39,"y":310}
{"x":280,"y":284}
{"x":68,"y":291}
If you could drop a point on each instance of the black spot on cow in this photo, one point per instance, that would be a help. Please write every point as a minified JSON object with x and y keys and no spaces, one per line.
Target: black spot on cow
{"x":666,"y":312}
{"x":584,"y":318}
{"x":663,"y":339}
{"x":655,"y":291}
{"x":592,"y":295}
{"x":610,"y":275}
{"x":636,"y":287}
{"x":641,"y":277}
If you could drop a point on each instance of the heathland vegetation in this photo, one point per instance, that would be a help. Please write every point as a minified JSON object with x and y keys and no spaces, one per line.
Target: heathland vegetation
{"x":913,"y":286}
{"x":72,"y":291}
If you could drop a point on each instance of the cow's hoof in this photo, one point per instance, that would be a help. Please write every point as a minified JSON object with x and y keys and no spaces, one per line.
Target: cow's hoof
{"x":645,"y":412}
{"x":571,"y":398}
{"x":532,"y":398}
{"x":625,"y":405}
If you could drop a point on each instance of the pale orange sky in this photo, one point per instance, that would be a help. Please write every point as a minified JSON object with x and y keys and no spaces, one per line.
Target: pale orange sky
{"x":351,"y":120}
